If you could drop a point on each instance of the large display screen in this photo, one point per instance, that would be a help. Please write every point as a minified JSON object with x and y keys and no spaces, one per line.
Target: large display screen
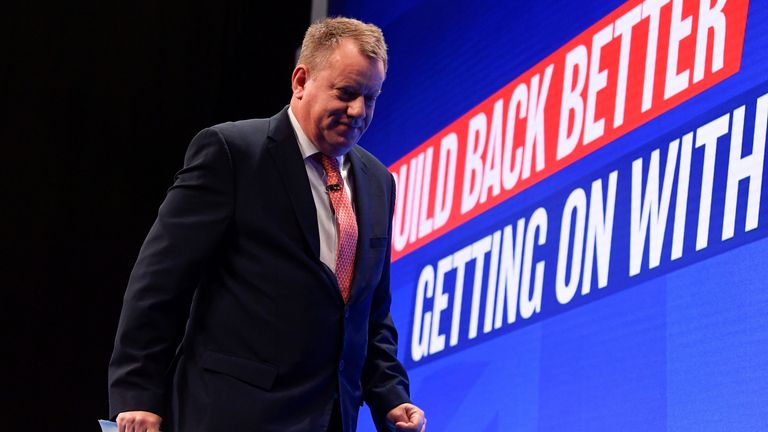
{"x":579,"y":241}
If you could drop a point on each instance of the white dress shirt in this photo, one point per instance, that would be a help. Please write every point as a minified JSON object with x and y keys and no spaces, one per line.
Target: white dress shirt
{"x":326,"y":221}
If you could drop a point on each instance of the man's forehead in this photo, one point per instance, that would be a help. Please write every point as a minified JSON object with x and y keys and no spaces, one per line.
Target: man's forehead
{"x":356,"y":74}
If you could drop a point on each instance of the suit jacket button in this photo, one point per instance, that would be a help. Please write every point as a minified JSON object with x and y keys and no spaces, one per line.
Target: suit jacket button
{"x":341,"y":365}
{"x":346,"y":312}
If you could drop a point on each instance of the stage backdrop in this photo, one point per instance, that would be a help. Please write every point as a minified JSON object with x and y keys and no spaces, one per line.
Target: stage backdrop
{"x":580,"y":234}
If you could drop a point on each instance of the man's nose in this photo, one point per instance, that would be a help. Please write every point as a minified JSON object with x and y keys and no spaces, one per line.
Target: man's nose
{"x":356,"y":107}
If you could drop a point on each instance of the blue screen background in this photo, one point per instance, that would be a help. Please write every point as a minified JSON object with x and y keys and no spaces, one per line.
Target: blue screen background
{"x":682,"y":349}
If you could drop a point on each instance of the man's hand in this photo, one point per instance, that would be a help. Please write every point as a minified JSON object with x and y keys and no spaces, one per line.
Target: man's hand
{"x":138,"y":421}
{"x":408,"y":418}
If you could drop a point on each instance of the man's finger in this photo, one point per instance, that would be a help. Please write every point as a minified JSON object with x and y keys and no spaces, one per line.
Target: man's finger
{"x":408,"y":426}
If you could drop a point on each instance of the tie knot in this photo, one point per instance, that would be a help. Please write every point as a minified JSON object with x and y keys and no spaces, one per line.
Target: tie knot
{"x":329,"y":163}
{"x":331,"y":167}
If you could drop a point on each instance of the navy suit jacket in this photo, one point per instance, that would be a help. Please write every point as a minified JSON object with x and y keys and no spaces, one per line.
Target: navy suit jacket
{"x":230,"y":321}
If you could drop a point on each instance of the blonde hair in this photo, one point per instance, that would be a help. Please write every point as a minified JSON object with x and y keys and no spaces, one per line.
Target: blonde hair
{"x":323,"y":36}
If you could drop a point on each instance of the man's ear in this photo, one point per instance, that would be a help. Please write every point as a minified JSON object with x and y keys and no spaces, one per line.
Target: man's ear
{"x":299,"y":80}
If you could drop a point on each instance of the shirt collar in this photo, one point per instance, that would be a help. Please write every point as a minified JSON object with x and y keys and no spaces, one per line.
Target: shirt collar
{"x":306,"y":146}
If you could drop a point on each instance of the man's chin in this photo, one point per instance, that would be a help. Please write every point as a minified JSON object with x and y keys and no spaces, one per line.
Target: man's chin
{"x":346,"y":142}
{"x":337,"y":147}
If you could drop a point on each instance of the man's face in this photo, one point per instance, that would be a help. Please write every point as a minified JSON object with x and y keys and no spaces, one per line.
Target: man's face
{"x":334,"y":104}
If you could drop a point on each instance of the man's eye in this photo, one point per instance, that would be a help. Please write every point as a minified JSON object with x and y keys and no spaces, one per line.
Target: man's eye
{"x":347,"y":95}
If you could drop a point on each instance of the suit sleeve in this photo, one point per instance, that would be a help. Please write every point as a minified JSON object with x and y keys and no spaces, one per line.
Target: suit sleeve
{"x":190,"y":224}
{"x":384,"y":379}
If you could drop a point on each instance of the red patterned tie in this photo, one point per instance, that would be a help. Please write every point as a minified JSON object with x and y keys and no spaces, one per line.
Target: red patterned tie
{"x":346,"y":223}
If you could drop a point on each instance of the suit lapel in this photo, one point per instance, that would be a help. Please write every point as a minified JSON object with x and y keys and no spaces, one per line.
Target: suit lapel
{"x":285,"y":151}
{"x":362,"y":212}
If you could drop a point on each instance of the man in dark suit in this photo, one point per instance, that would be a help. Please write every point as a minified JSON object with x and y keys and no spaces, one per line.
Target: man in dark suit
{"x":260,"y":298}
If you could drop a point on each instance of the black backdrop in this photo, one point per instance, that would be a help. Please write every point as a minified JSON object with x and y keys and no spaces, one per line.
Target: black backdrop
{"x":99,"y":103}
